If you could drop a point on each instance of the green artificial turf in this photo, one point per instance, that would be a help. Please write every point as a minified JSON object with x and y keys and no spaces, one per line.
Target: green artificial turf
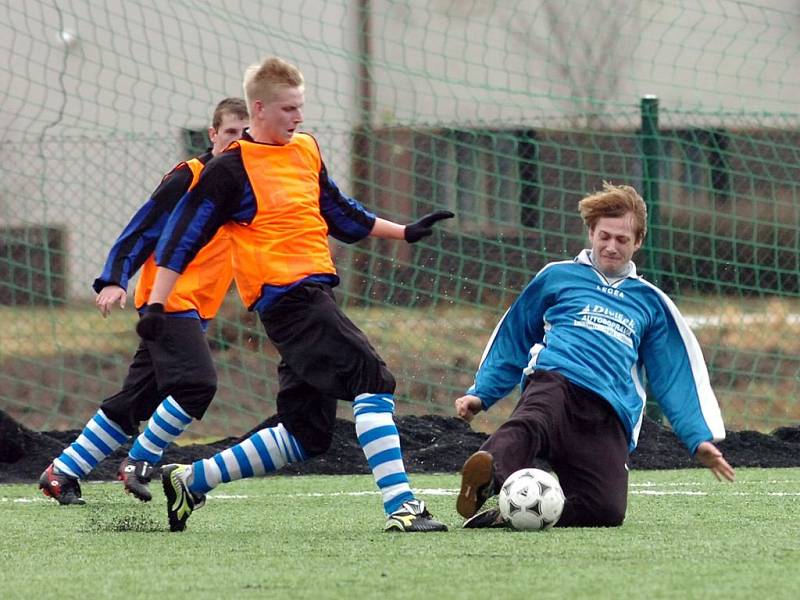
{"x":685,"y":536}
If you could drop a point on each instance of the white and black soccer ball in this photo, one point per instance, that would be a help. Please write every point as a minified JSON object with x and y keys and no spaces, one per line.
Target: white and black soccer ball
{"x":531,"y":500}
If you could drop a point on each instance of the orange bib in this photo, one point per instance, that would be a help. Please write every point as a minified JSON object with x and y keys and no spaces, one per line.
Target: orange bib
{"x":288,"y":238}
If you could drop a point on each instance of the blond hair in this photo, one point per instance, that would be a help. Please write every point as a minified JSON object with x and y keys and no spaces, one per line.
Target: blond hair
{"x":615,"y":201}
{"x":262,"y":80}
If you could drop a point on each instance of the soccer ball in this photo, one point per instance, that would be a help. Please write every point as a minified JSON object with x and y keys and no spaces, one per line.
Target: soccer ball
{"x":531,"y":500}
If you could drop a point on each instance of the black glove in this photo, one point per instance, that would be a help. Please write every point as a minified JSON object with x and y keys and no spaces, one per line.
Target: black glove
{"x":424,"y":227}
{"x":151,"y":324}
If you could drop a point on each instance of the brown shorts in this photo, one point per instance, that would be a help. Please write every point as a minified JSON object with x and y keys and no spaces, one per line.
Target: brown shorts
{"x":580,"y":435}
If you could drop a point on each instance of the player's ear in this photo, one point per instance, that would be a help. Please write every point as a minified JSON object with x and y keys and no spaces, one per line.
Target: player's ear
{"x":212,"y":134}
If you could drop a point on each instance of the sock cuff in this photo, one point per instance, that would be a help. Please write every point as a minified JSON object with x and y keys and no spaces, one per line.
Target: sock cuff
{"x":298,"y":453}
{"x":373,"y":403}
{"x":110,"y":427}
{"x":172,"y":407}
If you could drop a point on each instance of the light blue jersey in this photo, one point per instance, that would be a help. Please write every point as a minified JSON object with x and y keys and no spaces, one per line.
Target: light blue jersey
{"x":605,"y":337}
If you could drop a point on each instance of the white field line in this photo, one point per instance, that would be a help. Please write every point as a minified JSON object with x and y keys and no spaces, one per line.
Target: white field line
{"x":699,"y":321}
{"x":659,"y":491}
{"x":710,"y":482}
{"x":420,"y":492}
{"x":223,"y":496}
{"x":666,"y":493}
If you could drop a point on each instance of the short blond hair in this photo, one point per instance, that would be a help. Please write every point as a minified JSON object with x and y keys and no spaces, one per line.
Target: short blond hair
{"x":615,"y":201}
{"x":261,"y":80}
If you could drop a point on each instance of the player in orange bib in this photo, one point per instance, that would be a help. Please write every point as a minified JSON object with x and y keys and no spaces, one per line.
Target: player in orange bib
{"x":272,"y":192}
{"x":170,"y":381}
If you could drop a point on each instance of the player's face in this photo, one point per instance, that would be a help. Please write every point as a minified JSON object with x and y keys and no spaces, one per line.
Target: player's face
{"x":279,"y":118}
{"x":613,"y":242}
{"x":229,"y":130}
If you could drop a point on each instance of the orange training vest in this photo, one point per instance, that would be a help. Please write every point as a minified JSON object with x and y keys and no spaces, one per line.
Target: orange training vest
{"x":205,"y":281}
{"x":288,"y":238}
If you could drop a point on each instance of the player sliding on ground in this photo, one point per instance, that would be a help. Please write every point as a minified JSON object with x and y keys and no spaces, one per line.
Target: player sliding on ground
{"x":169,"y":383}
{"x":272,"y":192}
{"x":585,"y":338}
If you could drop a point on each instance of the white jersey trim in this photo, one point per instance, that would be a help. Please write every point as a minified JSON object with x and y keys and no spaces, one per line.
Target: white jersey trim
{"x":709,"y":406}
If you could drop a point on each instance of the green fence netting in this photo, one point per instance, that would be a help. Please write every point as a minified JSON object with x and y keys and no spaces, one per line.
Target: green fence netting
{"x":505,"y":112}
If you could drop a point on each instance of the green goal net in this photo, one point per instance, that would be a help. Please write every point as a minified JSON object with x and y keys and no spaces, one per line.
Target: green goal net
{"x":505,"y":112}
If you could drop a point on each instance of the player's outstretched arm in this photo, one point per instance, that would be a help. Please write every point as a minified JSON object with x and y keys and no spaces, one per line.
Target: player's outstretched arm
{"x":710,"y":456}
{"x":108,"y":296}
{"x":424,"y":227}
{"x":413,"y":232}
{"x":468,"y":406}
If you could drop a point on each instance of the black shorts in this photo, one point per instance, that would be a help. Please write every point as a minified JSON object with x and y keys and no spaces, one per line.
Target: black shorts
{"x":178,"y":364}
{"x":325,"y":357}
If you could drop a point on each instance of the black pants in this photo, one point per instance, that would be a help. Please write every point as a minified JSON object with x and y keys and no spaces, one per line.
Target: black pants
{"x":325,"y":357}
{"x":581,"y":437}
{"x":178,"y":364}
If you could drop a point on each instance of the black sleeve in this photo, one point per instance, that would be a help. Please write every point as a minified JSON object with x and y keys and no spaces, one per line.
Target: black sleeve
{"x":172,"y":188}
{"x":213,"y":202}
{"x":138,"y":240}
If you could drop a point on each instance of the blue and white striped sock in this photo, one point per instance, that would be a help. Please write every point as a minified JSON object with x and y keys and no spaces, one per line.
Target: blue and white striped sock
{"x":167,"y":423}
{"x":99,"y":438}
{"x":265,"y":451}
{"x":380,"y":441}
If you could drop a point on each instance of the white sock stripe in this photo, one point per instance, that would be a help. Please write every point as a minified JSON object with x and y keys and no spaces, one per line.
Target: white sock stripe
{"x":289,"y":440}
{"x":280,"y":443}
{"x":231,"y":464}
{"x":86,"y":467}
{"x":85,"y":443}
{"x":169,"y":418}
{"x":110,"y":423}
{"x":366,"y":400}
{"x":275,"y":445}
{"x":251,"y":452}
{"x":373,"y":420}
{"x":176,"y":407}
{"x":61,"y":466}
{"x":148,"y":445}
{"x":103,"y":435}
{"x":381,"y":444}
{"x":393,"y":491}
{"x":362,"y":409}
{"x":157,"y":431}
{"x":212,"y":472}
{"x":274,"y":452}
{"x":388,"y":468}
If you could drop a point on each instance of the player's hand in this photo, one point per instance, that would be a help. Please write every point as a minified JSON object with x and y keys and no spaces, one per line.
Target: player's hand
{"x":108,"y":296}
{"x":151,"y":324}
{"x":710,"y":456}
{"x":468,"y":406}
{"x":417,"y":230}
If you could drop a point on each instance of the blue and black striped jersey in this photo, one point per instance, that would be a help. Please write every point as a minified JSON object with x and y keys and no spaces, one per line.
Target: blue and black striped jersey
{"x":139,"y":237}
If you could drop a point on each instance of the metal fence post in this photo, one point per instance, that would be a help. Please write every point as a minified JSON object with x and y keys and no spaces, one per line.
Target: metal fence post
{"x":651,"y":165}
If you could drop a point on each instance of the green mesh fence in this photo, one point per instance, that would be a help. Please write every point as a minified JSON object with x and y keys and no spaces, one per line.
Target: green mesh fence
{"x":505,"y":112}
